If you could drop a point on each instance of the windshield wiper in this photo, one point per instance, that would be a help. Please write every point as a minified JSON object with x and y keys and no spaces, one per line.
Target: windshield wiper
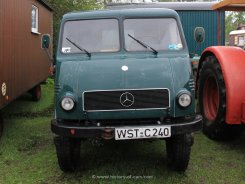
{"x":80,"y":48}
{"x":144,"y":44}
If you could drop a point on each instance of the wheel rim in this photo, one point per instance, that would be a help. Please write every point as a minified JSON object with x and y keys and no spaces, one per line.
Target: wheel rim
{"x":210,"y":98}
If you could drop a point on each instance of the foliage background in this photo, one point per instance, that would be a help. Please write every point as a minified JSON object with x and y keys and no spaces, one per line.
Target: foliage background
{"x":61,"y":7}
{"x":232,"y":21}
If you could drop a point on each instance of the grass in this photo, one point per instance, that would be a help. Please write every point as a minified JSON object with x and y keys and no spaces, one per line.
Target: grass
{"x":24,"y":106}
{"x":27,"y":154}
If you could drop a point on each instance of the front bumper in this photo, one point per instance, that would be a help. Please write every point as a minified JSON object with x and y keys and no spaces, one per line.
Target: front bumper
{"x":76,"y":130}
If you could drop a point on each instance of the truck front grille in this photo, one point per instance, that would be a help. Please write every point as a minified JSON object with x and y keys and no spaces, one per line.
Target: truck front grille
{"x":126,"y":100}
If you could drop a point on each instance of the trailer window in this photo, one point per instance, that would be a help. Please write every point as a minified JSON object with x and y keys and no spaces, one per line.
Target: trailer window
{"x":240,"y":40}
{"x":99,"y":35}
{"x":34,"y":19}
{"x":158,"y":33}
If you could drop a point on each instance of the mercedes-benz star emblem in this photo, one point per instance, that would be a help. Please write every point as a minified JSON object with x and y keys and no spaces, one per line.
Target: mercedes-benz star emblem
{"x":127,"y":99}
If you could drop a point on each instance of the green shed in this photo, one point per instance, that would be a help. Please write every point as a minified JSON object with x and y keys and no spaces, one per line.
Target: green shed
{"x":192,"y":14}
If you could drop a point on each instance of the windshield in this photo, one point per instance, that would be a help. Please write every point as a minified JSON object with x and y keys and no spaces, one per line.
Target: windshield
{"x":157,"y":33}
{"x":100,"y":35}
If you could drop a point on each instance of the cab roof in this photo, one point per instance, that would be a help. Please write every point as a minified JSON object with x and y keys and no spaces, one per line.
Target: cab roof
{"x":193,"y":6}
{"x":137,"y":13}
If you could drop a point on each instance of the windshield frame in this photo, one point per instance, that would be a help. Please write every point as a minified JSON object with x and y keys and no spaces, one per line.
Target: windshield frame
{"x":61,"y":37}
{"x":179,"y":26}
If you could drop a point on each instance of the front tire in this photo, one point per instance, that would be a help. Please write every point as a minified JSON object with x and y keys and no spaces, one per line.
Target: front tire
{"x":178,"y":151}
{"x":68,"y":153}
{"x":212,"y":102}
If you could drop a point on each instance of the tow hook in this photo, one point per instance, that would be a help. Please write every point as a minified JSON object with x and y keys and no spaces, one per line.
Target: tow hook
{"x":107,"y":133}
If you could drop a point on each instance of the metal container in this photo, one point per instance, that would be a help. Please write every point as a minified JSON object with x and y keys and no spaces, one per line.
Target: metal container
{"x":23,"y":63}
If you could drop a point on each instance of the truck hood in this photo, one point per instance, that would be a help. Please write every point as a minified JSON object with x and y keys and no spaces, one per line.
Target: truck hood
{"x":77,"y":77}
{"x":88,"y":75}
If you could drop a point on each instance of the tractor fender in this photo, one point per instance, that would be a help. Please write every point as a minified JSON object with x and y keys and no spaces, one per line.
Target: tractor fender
{"x":232,"y":63}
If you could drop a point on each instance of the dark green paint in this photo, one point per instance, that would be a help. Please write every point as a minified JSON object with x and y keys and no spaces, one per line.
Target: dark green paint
{"x":45,"y":41}
{"x":76,"y":73}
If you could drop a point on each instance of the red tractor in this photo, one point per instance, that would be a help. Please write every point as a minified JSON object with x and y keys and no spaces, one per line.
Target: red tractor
{"x":221,"y":85}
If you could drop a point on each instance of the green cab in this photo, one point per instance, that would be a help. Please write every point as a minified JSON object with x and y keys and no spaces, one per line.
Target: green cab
{"x":124,"y":74}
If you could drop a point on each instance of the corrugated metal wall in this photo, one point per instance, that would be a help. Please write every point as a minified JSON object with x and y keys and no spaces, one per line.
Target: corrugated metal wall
{"x":23,"y":64}
{"x":208,"y":20}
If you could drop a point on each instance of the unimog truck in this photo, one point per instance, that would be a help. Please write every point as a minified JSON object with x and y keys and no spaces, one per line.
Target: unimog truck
{"x":122,"y":75}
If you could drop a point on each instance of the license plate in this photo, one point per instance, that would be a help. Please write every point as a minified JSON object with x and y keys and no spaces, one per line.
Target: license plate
{"x":142,"y":132}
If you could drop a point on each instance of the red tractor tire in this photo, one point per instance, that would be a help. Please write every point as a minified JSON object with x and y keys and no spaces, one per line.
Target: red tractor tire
{"x":36,"y":93}
{"x":212,"y":102}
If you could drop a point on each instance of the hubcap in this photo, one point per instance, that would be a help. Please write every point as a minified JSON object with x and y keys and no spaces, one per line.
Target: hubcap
{"x":211,"y":98}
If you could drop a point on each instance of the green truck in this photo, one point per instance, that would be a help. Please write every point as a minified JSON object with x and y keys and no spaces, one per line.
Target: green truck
{"x":192,"y":15}
{"x":124,"y":74}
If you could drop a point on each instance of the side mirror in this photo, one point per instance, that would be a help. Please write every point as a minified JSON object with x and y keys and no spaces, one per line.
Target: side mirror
{"x":199,"y":34}
{"x":45,"y":41}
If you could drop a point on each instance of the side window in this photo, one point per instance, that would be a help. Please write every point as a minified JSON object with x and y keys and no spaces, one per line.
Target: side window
{"x":34,"y":19}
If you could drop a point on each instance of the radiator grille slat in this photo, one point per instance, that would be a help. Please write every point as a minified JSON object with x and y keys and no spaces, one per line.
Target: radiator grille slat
{"x":126,"y":99}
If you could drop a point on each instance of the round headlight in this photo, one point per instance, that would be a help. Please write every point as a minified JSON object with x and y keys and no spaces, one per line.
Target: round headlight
{"x":184,"y":99}
{"x":67,"y":103}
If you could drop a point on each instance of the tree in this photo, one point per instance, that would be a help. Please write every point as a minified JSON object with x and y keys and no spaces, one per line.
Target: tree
{"x":232,"y":21}
{"x":61,"y":7}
